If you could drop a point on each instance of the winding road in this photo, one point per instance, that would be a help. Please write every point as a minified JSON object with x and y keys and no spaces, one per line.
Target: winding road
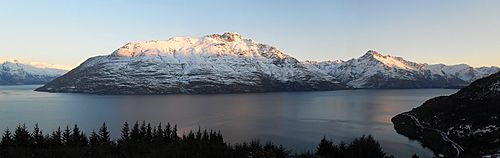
{"x":457,"y":147}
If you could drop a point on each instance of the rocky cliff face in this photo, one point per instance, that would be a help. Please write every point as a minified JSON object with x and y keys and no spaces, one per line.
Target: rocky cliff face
{"x":226,"y":63}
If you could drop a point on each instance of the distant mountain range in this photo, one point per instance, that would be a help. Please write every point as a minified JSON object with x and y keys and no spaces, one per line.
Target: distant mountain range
{"x":464,"y":124}
{"x":229,"y":63}
{"x":14,"y":72}
{"x":374,"y":70}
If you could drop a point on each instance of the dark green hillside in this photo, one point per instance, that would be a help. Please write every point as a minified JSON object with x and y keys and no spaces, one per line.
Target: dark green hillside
{"x":470,"y":119}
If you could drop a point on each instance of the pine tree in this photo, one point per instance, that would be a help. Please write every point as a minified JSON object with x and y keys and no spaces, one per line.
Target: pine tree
{"x":94,"y":139}
{"x":125,"y":137}
{"x":104,"y":135}
{"x":205,"y":136}
{"x":198,"y":134}
{"x":212,"y":136}
{"x":38,"y":138}
{"x":325,"y":148}
{"x":158,"y":134}
{"x":365,"y":146}
{"x":7,"y":140}
{"x":76,"y":136}
{"x":47,"y":140}
{"x":142,"y":131}
{"x":167,"y":134}
{"x":173,"y":135}
{"x":220,"y":139}
{"x":149,"y":133}
{"x":83,"y":139}
{"x":66,"y":137}
{"x":22,"y":136}
{"x":135,"y":134}
{"x":56,"y":137}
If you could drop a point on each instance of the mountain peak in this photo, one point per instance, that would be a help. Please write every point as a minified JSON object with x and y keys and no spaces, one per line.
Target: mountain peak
{"x":16,"y":72}
{"x":227,"y":44}
{"x":391,"y":61}
{"x":372,"y":52}
{"x":8,"y":60}
{"x":232,"y":35}
{"x":39,"y":65}
{"x":227,"y":36}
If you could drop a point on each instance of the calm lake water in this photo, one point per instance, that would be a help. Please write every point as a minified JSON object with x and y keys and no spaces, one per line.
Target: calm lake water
{"x":297,"y":120}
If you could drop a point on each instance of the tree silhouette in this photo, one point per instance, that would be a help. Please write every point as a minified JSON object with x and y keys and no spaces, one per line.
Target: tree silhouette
{"x":38,"y":138}
{"x":56,"y":138}
{"x":158,"y":135}
{"x":142,"y":130}
{"x":7,"y":139}
{"x":135,"y":134}
{"x":327,"y":148}
{"x":149,"y":133}
{"x":66,"y":137}
{"x":78,"y":137}
{"x":365,"y":146}
{"x":167,"y":134}
{"x":161,"y":141}
{"x":104,"y":137}
{"x":125,"y":136}
{"x":94,"y":139}
{"x":22,"y":137}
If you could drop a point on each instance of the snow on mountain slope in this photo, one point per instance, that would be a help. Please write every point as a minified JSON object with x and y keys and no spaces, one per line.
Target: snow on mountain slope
{"x":393,"y":62}
{"x":15,"y":72}
{"x":374,"y":70}
{"x":462,"y":71}
{"x":226,"y":63}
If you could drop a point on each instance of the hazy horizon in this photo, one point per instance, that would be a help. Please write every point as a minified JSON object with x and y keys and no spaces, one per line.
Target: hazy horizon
{"x":69,"y":32}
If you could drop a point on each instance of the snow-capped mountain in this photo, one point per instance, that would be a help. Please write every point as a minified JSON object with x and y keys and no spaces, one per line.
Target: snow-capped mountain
{"x":14,"y":72}
{"x":226,"y":63}
{"x":374,"y":70}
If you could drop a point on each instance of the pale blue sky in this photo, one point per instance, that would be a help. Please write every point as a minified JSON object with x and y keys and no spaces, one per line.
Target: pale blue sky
{"x":431,"y":31}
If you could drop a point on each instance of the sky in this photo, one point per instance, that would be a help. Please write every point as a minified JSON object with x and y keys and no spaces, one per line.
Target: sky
{"x":426,"y":31}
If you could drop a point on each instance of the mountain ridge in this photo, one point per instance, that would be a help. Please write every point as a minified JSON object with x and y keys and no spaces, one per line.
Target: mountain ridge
{"x":230,"y":63}
{"x":14,"y":72}
{"x":374,"y":70}
{"x":226,"y":63}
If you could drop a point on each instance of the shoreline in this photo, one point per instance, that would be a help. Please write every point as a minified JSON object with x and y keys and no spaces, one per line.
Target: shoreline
{"x":434,"y":139}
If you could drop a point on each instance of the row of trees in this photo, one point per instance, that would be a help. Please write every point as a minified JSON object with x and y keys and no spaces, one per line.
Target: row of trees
{"x":364,"y":146}
{"x":144,"y":140}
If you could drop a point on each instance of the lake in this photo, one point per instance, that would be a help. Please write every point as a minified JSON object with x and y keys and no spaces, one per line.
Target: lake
{"x":297,"y":120}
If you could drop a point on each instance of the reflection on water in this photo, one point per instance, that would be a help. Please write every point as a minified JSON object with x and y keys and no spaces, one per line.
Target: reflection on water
{"x":297,"y":120}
